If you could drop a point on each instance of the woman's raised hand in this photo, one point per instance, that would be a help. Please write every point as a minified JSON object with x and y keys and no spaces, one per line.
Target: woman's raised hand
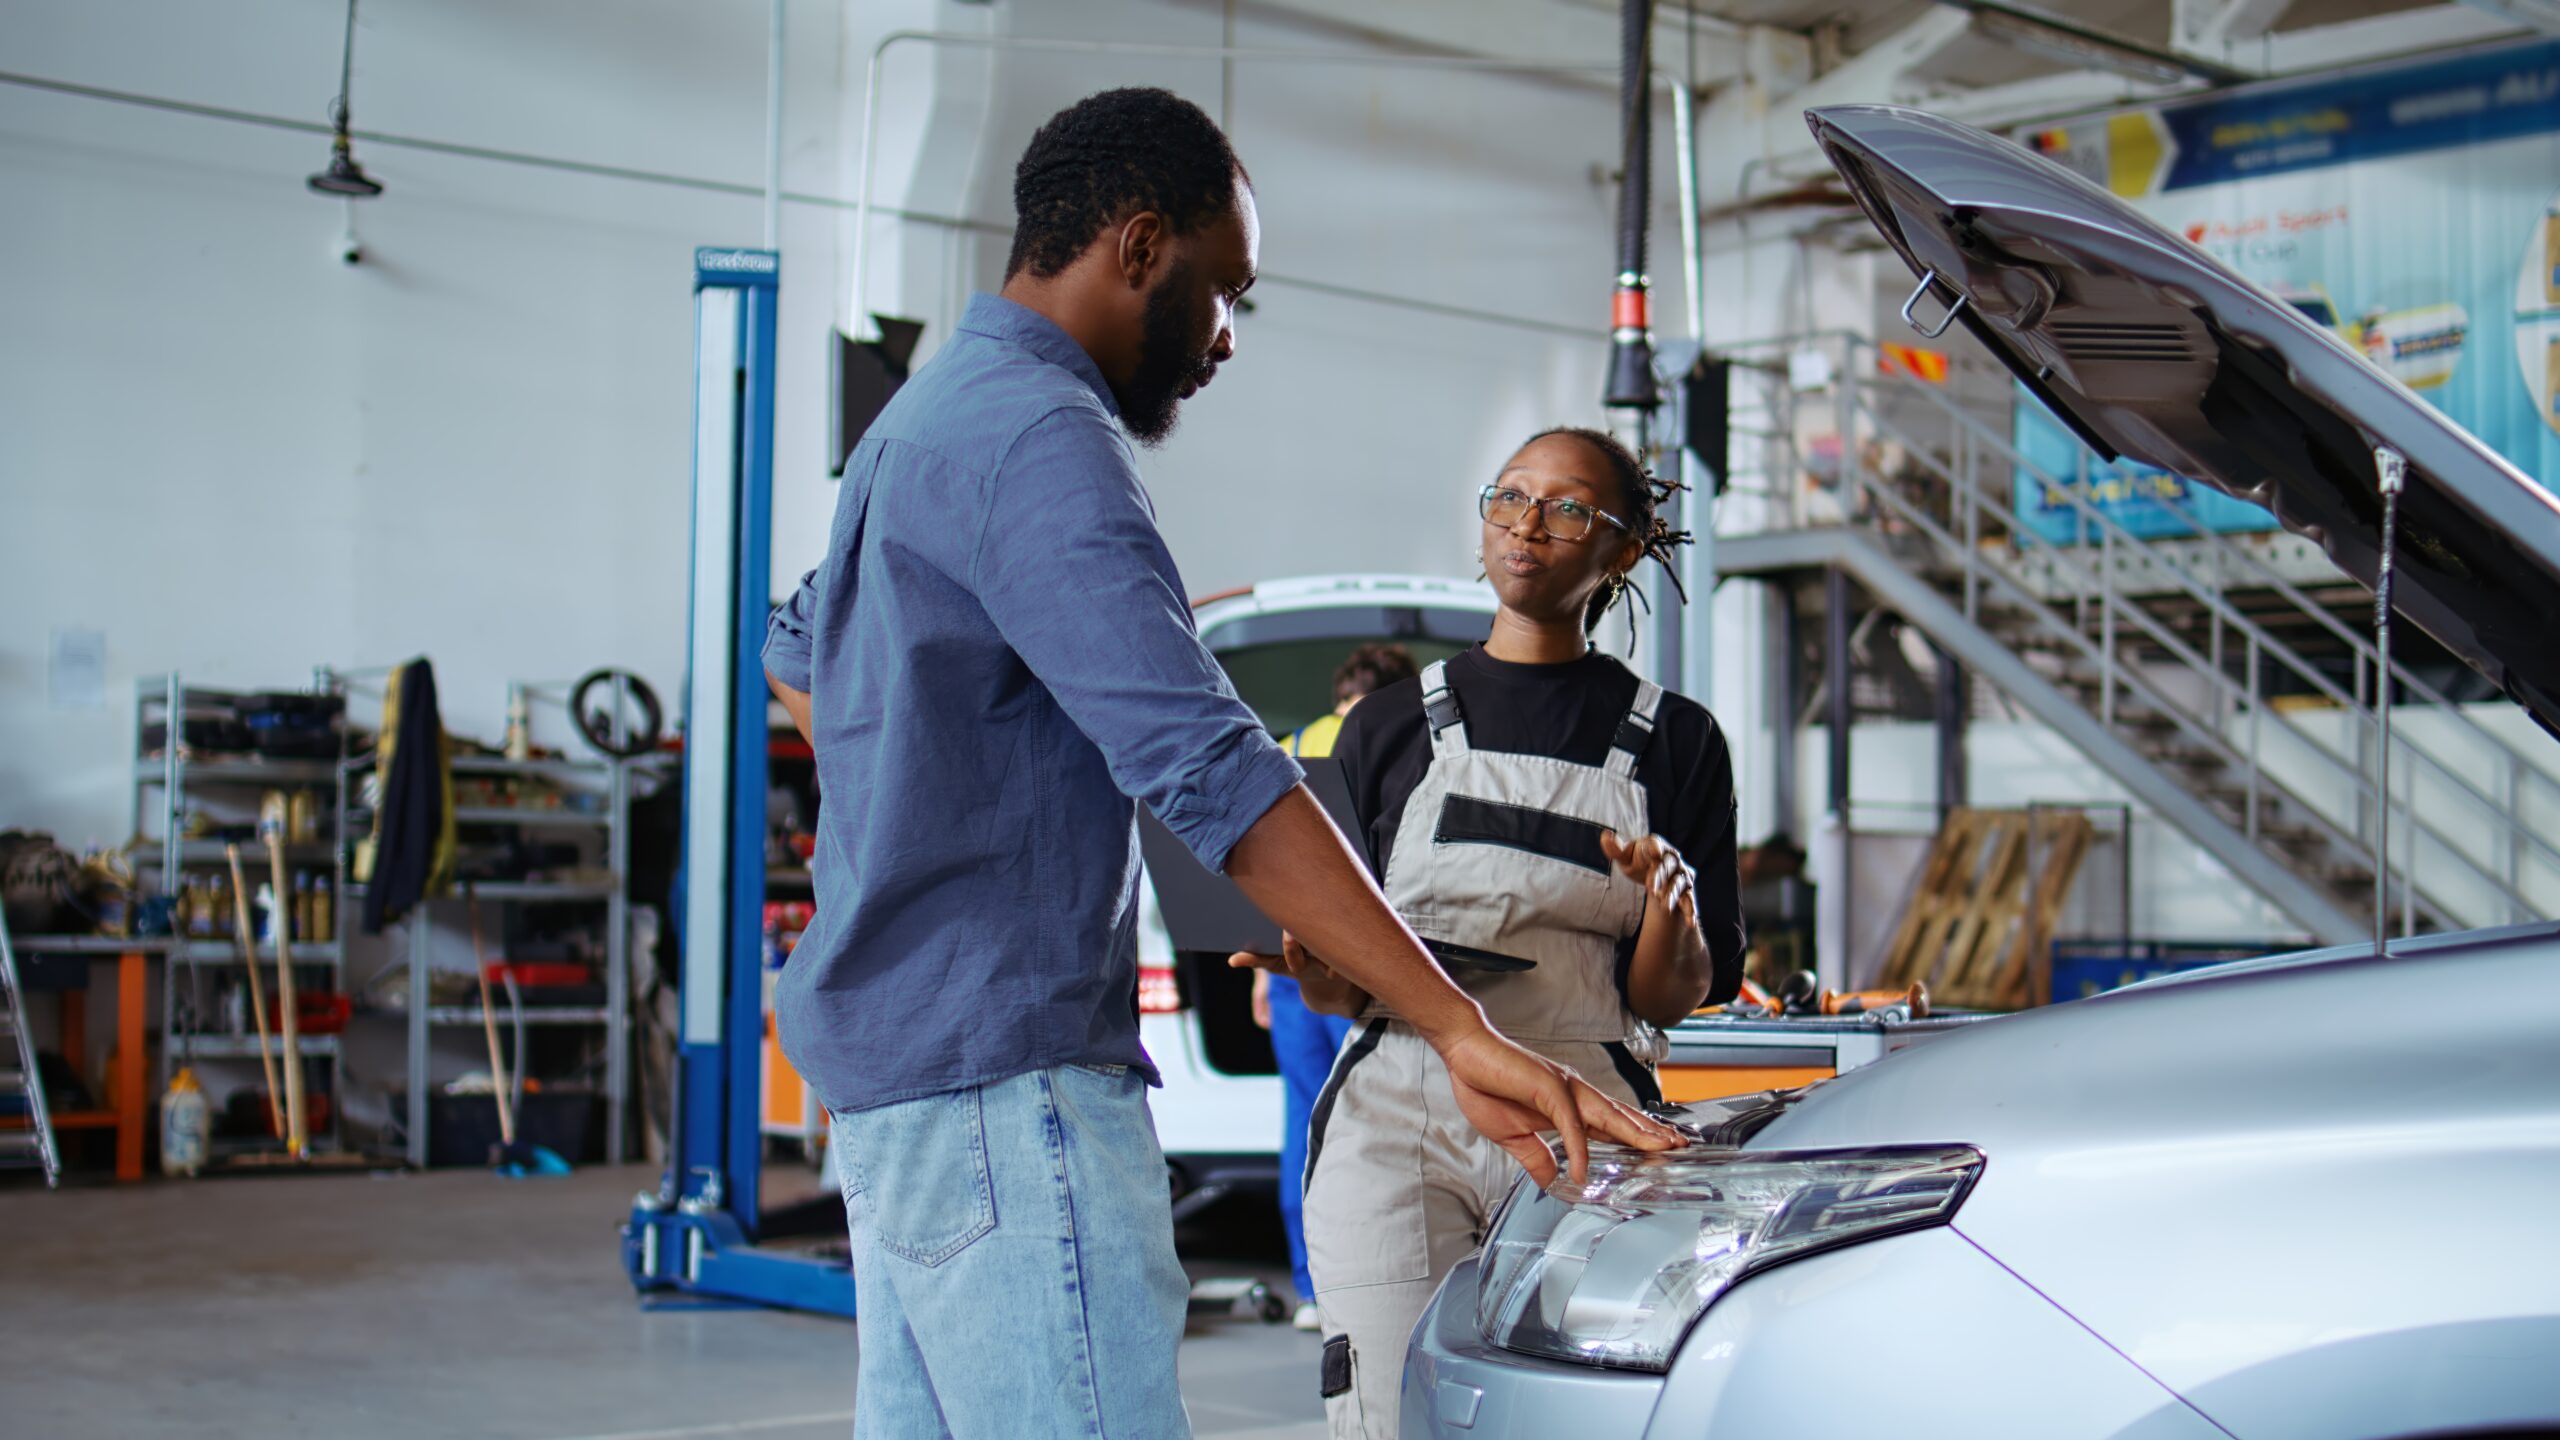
{"x":1652,"y":862}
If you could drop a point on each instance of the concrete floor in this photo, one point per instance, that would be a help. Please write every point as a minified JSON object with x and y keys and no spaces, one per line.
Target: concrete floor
{"x":450,"y":1304}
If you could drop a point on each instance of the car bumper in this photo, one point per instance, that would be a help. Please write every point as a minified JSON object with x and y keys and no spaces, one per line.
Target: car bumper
{"x":1915,"y":1335}
{"x":1457,"y":1386}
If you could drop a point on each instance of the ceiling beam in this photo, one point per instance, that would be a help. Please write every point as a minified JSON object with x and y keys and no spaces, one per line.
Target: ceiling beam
{"x":2356,"y":42}
{"x":2041,"y":32}
{"x":2542,"y":15}
{"x":2205,"y":28}
{"x":1751,"y":134}
{"x":1568,"y":31}
{"x":2047,"y":97}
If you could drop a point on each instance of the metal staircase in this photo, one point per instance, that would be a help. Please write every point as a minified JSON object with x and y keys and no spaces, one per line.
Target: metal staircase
{"x":2178,"y":666}
{"x":23,"y":1085}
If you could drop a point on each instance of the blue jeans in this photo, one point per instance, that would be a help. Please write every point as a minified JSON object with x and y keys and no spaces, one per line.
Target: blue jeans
{"x":1013,"y":1257}
{"x":1304,"y":1042}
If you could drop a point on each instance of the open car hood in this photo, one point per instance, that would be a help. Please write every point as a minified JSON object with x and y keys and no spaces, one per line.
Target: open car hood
{"x":2149,"y":349}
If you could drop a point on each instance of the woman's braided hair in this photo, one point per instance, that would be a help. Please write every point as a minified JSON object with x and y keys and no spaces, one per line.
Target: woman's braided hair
{"x":1644,"y":493}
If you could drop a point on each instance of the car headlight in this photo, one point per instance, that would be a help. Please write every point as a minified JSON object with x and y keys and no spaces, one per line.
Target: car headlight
{"x":1613,"y":1271}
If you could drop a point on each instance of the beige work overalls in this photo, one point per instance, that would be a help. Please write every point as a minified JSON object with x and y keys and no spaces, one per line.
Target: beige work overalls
{"x":1497,"y":861}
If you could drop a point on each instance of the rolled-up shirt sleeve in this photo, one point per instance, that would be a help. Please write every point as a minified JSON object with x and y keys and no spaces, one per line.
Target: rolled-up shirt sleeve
{"x":787,"y":645}
{"x":1071,"y":569}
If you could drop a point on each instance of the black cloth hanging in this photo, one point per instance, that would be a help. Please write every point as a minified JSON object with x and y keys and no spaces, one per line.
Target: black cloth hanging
{"x":413,"y":825}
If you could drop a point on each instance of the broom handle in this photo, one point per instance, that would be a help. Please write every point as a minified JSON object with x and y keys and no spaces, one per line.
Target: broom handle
{"x":489,"y":1026}
{"x":257,"y":988}
{"x":280,"y":915}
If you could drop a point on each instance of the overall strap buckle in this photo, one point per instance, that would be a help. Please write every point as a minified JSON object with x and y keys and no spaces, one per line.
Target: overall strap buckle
{"x":1635,"y":731}
{"x":1440,"y":711}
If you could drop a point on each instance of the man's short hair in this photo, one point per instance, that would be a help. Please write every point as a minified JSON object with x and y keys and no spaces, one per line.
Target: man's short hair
{"x":1112,"y":155}
{"x":1372,"y":667}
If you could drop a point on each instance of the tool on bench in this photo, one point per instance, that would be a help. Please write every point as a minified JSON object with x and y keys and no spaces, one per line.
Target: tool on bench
{"x":1804,"y":995}
{"x":1913,"y":1002}
{"x":1749,"y":1002}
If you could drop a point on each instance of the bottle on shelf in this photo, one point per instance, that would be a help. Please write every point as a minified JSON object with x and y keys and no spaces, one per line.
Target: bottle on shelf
{"x":303,"y":823}
{"x":186,"y":1125}
{"x":302,"y":905}
{"x":204,"y":907}
{"x":519,"y":741}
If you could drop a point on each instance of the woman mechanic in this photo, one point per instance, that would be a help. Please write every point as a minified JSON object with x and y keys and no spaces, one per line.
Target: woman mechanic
{"x":1561,"y":835}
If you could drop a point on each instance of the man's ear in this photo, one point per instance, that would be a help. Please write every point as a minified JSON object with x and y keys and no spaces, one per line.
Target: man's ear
{"x":1144,"y":244}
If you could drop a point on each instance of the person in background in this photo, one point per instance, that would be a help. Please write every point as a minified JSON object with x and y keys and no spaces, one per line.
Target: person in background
{"x":1370,"y":667}
{"x":1304,"y":1042}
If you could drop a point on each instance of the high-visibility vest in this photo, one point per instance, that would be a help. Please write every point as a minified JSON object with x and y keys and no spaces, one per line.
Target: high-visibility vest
{"x":1314,"y":740}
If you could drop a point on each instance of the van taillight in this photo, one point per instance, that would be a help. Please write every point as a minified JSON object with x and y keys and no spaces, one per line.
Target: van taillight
{"x":1157,"y":994}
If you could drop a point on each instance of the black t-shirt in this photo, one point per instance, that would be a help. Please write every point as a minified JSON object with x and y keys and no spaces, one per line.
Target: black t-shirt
{"x":1571,"y":712}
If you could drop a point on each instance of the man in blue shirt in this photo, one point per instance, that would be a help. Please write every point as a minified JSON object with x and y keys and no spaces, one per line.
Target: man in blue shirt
{"x":994,"y":656}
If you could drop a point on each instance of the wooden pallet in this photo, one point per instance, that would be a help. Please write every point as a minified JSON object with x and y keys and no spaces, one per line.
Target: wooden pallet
{"x":2067,"y":836}
{"x":1971,"y":932}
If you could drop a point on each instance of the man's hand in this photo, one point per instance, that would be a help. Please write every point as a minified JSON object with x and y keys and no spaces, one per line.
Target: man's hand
{"x":1511,"y":1094}
{"x":1301,"y":872}
{"x":1261,"y":997}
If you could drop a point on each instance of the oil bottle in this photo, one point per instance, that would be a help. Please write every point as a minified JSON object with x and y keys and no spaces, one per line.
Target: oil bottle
{"x":186,"y":1125}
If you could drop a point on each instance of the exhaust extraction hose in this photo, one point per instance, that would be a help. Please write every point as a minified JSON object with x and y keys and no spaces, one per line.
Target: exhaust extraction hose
{"x":1631,"y":382}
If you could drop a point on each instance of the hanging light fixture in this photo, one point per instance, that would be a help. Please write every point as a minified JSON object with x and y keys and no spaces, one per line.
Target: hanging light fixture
{"x":344,"y":176}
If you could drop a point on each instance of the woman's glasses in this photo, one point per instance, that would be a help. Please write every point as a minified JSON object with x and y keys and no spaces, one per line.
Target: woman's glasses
{"x":1564,"y":519}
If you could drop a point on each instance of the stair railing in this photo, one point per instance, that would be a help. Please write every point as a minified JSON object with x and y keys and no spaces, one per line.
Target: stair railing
{"x":33,"y":1079}
{"x":1973,"y":446}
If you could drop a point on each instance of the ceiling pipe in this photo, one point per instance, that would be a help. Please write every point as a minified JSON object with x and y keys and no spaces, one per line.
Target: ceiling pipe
{"x":1631,"y":385}
{"x":773,"y":132}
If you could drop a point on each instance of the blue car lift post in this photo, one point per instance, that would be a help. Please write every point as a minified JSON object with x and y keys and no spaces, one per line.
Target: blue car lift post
{"x":694,"y":1238}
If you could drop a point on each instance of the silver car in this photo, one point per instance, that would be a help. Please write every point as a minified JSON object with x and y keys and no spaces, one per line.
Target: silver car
{"x":2312,"y":1195}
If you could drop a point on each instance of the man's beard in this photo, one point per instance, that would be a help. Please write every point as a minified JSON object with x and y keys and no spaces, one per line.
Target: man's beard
{"x":1151,"y":403}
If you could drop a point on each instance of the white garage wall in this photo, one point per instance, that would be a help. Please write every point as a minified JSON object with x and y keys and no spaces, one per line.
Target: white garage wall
{"x":1348,"y":434}
{"x":235,"y":456}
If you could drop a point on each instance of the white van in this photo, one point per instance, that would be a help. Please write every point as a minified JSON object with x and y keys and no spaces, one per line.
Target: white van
{"x":1218,"y":1115}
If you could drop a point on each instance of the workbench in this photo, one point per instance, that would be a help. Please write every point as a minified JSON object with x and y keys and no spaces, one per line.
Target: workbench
{"x":127,"y":1084}
{"x":1717,"y":1055}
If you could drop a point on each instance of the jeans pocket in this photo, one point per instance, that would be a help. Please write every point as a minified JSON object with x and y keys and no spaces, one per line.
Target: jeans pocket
{"x":922,"y":1167}
{"x":840,"y":1156}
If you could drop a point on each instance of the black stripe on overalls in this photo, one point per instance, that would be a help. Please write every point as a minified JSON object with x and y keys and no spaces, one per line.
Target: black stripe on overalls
{"x":1637,"y":1074}
{"x":1361,"y":1044}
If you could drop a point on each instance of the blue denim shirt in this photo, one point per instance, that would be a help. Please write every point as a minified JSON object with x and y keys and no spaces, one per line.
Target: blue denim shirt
{"x":998,"y":654}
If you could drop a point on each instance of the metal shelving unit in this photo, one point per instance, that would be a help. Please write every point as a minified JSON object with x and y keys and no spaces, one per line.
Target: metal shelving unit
{"x":608,"y":780}
{"x":165,"y":786}
{"x":245,"y":1047}
{"x":469,"y":1015}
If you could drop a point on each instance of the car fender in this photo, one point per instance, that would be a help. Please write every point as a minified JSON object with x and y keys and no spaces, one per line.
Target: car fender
{"x":1915,"y":1335}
